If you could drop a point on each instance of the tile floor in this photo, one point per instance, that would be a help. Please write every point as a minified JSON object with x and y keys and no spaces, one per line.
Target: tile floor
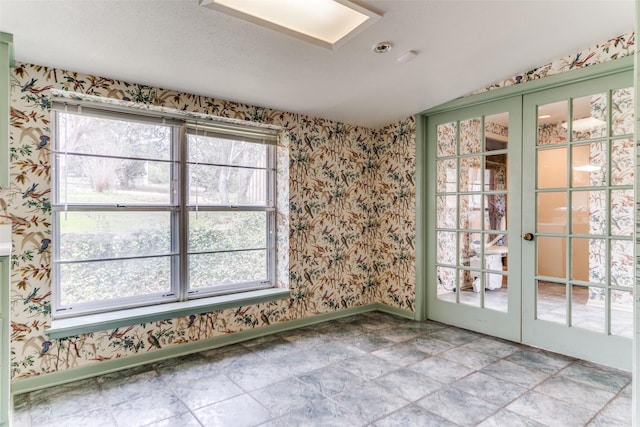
{"x":367,"y":370}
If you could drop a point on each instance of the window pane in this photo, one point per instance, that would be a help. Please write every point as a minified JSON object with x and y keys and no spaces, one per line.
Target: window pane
{"x":95,"y":235}
{"x":446,"y":145}
{"x":470,"y":212}
{"x":447,"y":178}
{"x":589,"y":118}
{"x":551,"y":302}
{"x":107,"y":280}
{"x":622,"y":212}
{"x":552,"y":120}
{"x":470,"y":174}
{"x":589,"y":165}
{"x":552,"y":257}
{"x":552,"y":168}
{"x":226,"y":186}
{"x":588,"y":308}
{"x":446,"y":250}
{"x":589,"y":212}
{"x":446,"y":284}
{"x":470,"y":136}
{"x":552,"y":212}
{"x":622,"y":267}
{"x":206,"y":270}
{"x":99,"y":180}
{"x":622,"y":111}
{"x":446,"y":211}
{"x":622,"y":162}
{"x":108,"y":137}
{"x":622,"y":313}
{"x":496,"y":131}
{"x":227,"y":152}
{"x":588,"y":260}
{"x":218,"y":231}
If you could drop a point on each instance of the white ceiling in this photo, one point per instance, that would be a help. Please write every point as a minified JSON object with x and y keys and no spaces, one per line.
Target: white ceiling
{"x":177,"y":44}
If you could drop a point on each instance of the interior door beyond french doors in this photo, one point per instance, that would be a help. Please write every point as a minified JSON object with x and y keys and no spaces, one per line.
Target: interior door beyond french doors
{"x":474,"y":156}
{"x":578,"y":208}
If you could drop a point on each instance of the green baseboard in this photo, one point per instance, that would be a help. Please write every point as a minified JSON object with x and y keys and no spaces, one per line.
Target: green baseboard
{"x":42,"y":381}
{"x":396,"y":311}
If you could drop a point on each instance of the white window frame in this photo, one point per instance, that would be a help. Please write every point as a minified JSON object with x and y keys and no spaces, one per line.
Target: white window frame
{"x":179,"y":208}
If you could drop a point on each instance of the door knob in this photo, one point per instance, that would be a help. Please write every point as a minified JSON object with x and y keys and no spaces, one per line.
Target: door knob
{"x":527,"y":236}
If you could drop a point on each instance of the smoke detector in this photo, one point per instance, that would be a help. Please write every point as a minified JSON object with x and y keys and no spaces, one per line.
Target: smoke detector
{"x":382,"y":47}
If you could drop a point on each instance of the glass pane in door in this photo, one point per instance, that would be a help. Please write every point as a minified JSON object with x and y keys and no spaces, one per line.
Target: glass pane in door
{"x":551,"y":301}
{"x":622,"y":313}
{"x":584,"y":213}
{"x":589,"y":117}
{"x":551,"y":118}
{"x":588,"y":308}
{"x":471,"y":201}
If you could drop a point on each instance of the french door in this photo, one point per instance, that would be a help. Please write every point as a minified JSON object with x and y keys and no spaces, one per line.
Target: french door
{"x":531,"y":218}
{"x":475,"y":176}
{"x":578,"y":207}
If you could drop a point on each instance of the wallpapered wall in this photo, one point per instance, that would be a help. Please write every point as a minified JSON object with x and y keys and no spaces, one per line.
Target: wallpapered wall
{"x":351,"y":237}
{"x":352,"y":216}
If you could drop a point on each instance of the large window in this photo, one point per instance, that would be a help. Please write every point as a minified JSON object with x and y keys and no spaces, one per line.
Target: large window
{"x":149,"y":210}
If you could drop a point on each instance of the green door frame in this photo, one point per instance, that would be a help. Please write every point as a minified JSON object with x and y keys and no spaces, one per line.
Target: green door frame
{"x":635,"y":395}
{"x":6,"y":62}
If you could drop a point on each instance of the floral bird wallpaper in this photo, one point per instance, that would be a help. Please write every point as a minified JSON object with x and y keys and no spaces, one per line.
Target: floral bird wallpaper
{"x":352,"y":214}
{"x":351,"y":194}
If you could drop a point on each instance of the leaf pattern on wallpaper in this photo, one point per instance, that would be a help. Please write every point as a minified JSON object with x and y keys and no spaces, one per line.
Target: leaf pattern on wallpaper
{"x":617,"y":47}
{"x":349,"y":193}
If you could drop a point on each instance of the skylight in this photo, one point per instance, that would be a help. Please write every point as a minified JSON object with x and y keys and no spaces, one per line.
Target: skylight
{"x":328,"y":23}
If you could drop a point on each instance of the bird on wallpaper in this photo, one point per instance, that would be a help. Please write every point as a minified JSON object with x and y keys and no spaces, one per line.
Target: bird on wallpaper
{"x":153,"y":340}
{"x":29,"y":191}
{"x":579,"y":63}
{"x":35,"y":195}
{"x":240,"y":312}
{"x":29,"y":297}
{"x":409,"y":178}
{"x":192,"y":318}
{"x":307,"y":209}
{"x":264,"y":318}
{"x":119,"y":334}
{"x":44,"y":245}
{"x":28,"y":86}
{"x":45,"y":347}
{"x":308,"y":277}
{"x":409,"y":303}
{"x":38,"y":299}
{"x":17,"y":328}
{"x":44,"y":140}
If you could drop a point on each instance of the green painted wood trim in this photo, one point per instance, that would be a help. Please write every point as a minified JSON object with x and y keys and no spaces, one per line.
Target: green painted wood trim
{"x":6,"y":62}
{"x":63,"y":328}
{"x":635,"y":391}
{"x":421,"y":219}
{"x":573,"y":76}
{"x":7,"y":38}
{"x":74,"y":374}
{"x":5,"y":341}
{"x":384,"y":308}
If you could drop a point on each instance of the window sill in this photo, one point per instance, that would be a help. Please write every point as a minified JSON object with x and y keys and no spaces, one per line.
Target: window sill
{"x":64,"y":328}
